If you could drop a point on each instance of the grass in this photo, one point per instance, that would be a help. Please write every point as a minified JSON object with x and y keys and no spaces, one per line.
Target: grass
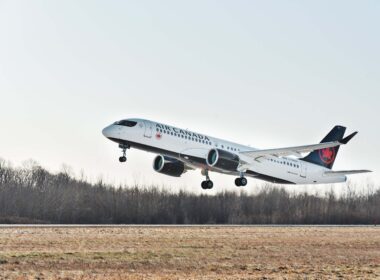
{"x":190,"y":253}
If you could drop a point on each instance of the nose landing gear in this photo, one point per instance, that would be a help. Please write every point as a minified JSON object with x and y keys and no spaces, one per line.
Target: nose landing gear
{"x":124,"y":148}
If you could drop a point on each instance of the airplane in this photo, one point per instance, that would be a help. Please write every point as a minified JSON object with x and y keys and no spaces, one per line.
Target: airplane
{"x":180,"y":150}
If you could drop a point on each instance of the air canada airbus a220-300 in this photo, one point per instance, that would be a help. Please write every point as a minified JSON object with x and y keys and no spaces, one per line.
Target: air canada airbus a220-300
{"x":180,"y":150}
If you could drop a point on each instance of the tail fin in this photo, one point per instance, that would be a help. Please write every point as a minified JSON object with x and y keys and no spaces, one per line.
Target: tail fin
{"x":326,"y":157}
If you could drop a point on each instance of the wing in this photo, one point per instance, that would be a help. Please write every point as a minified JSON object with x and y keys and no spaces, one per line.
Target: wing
{"x":294,"y":151}
{"x":298,"y":150}
{"x":346,"y":172}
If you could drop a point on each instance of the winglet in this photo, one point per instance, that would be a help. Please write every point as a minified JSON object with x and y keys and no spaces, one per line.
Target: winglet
{"x":347,"y":139}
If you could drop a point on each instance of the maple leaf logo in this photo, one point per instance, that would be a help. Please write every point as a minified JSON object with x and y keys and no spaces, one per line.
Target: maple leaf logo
{"x":158,"y":136}
{"x":327,"y":155}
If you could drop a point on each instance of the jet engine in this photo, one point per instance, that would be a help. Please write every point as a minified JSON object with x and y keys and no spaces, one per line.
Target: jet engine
{"x":168,"y":166}
{"x":222,"y":160}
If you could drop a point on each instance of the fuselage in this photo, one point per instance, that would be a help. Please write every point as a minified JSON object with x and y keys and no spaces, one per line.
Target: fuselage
{"x":192,"y":148}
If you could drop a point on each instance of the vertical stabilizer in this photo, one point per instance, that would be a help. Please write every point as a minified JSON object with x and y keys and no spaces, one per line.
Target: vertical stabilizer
{"x":326,"y":157}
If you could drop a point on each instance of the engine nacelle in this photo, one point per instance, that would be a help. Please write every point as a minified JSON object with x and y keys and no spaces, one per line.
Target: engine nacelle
{"x":223,"y":160}
{"x":168,"y":166}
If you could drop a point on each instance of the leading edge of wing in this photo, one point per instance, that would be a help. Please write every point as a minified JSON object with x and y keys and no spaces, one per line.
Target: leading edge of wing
{"x":346,"y":172}
{"x":295,"y":151}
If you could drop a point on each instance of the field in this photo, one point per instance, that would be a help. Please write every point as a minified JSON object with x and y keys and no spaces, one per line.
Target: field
{"x":189,"y":252}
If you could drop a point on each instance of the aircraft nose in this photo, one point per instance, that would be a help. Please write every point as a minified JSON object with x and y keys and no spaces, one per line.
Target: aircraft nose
{"x":107,"y":131}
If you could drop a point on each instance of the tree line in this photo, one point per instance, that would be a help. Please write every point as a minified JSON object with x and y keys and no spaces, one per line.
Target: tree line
{"x":34,"y":195}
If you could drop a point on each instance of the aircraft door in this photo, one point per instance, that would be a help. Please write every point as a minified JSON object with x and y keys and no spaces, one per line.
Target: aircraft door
{"x":148,"y":129}
{"x":303,"y":170}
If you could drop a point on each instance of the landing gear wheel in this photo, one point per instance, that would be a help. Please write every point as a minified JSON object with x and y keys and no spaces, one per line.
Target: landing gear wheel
{"x":204,"y":185}
{"x":238,"y":182}
{"x":243,"y":181}
{"x":122,"y":159}
{"x":207,"y":185}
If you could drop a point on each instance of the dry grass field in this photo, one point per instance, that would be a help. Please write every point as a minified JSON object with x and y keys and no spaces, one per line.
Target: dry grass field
{"x":190,"y":253}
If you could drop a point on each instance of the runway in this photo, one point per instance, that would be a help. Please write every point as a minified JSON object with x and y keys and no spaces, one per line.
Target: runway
{"x":189,"y":252}
{"x":174,"y":226}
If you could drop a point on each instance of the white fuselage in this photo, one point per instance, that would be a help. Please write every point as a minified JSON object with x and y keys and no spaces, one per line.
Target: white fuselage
{"x":192,"y":149}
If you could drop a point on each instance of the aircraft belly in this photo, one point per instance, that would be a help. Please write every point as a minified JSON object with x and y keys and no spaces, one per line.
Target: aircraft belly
{"x":272,"y":174}
{"x":195,"y":157}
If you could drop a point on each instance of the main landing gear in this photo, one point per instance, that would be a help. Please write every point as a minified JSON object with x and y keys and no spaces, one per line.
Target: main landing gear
{"x":124,"y":148}
{"x":241,"y":181}
{"x":208,"y":184}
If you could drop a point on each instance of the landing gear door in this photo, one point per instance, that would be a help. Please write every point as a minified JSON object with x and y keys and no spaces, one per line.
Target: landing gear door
{"x":148,"y":129}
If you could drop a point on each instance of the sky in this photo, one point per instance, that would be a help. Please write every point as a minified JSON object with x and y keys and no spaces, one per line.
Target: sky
{"x":262,"y":73}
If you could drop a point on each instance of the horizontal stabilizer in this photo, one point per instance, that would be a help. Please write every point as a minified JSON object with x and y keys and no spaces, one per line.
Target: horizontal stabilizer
{"x":347,"y":139}
{"x":346,"y":172}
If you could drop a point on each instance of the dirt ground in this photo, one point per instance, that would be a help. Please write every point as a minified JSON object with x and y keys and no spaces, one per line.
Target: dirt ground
{"x":190,"y":253}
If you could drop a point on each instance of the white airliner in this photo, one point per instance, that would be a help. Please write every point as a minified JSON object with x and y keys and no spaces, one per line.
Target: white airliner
{"x":180,"y":150}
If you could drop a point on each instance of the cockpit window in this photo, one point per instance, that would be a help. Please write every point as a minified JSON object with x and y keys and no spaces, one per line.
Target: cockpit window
{"x":126,"y":123}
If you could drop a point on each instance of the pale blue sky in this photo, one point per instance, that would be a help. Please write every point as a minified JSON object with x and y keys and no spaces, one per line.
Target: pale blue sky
{"x":264,"y":73}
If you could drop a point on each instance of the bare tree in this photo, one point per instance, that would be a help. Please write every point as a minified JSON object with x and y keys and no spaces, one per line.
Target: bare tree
{"x":31,"y":194}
